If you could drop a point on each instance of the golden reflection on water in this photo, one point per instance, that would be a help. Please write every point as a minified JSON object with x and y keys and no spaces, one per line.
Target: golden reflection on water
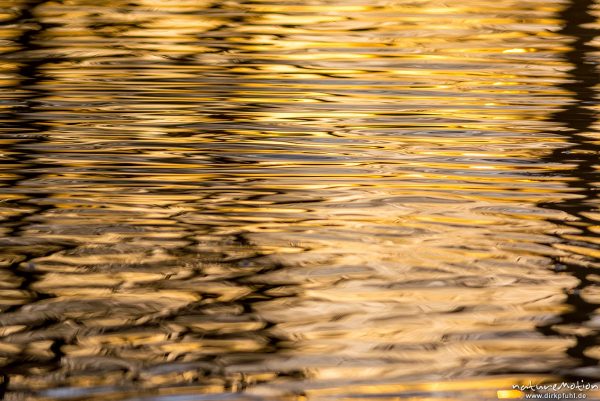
{"x":314,"y":200}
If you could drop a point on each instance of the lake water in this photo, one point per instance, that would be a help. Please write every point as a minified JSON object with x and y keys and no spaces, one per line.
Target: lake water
{"x":297,"y":200}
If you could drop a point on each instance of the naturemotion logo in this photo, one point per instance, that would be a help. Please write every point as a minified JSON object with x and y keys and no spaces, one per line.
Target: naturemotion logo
{"x":552,"y":391}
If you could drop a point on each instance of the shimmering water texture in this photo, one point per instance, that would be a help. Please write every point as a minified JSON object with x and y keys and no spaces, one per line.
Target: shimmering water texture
{"x":297,"y":200}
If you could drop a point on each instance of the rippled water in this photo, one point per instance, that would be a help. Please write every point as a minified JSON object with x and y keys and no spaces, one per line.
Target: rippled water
{"x":303,"y":200}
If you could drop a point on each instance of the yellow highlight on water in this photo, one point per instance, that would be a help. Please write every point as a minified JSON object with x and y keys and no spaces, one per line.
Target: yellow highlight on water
{"x":510,"y":394}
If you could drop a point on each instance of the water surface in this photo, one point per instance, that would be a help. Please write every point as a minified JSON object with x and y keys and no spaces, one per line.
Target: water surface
{"x":303,"y":200}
